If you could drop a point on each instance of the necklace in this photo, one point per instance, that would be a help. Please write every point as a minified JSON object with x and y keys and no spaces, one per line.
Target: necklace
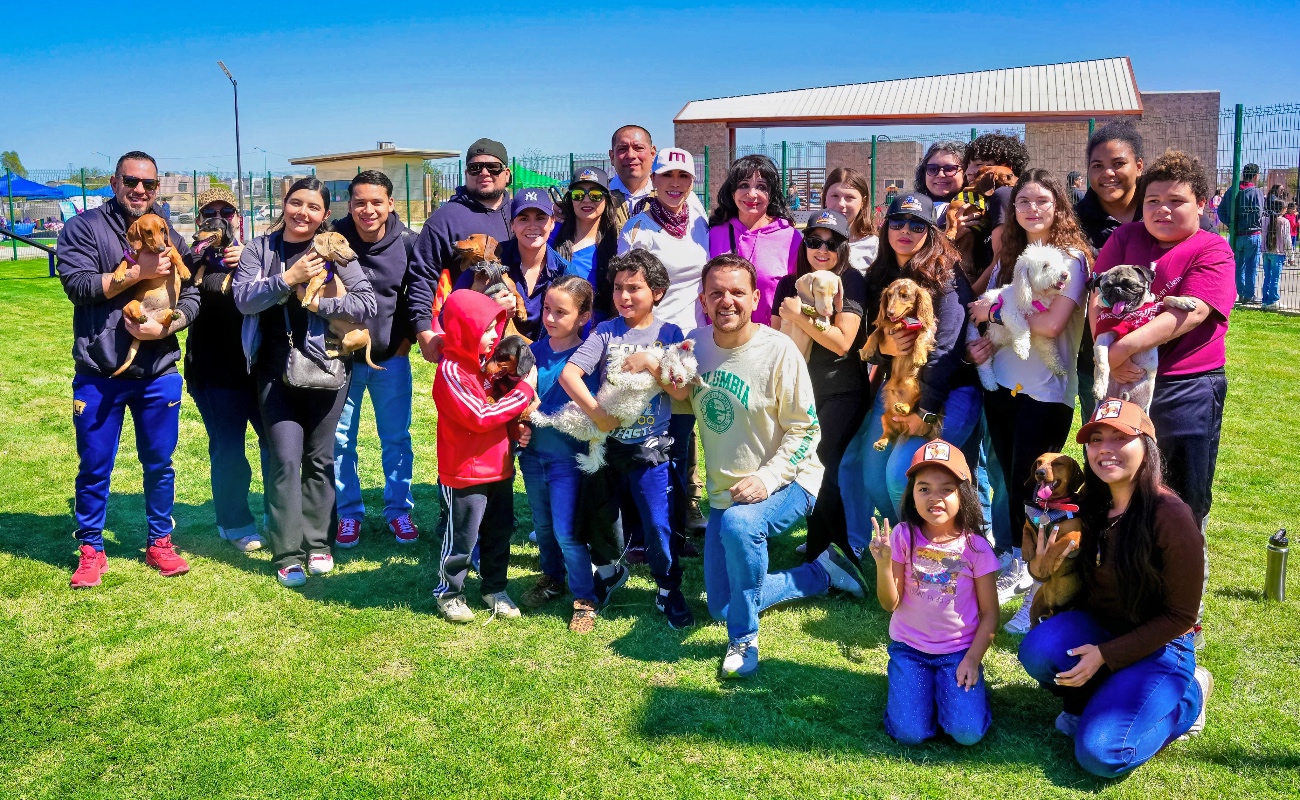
{"x":1101,"y":539}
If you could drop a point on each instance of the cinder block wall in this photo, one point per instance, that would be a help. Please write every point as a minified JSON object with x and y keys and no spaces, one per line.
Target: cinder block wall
{"x":895,"y":161}
{"x":694,"y":137}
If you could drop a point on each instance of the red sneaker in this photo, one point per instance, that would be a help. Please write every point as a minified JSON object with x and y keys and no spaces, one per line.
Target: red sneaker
{"x":92,"y":565}
{"x":349,"y":533}
{"x":161,"y":555}
{"x":405,"y":530}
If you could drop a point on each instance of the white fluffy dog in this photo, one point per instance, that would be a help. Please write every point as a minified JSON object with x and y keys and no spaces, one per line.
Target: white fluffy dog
{"x":623,"y":395}
{"x":1040,"y":275}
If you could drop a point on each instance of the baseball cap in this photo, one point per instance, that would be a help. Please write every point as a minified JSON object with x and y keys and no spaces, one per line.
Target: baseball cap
{"x":831,"y":220}
{"x":487,"y":147}
{"x":217,"y":194}
{"x":671,"y":158}
{"x":532,"y":198}
{"x":912,"y":204}
{"x":939,"y":453}
{"x":1123,"y":416}
{"x":590,"y":175}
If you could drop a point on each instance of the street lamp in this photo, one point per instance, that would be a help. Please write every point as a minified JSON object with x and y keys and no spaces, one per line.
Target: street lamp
{"x":239,"y":164}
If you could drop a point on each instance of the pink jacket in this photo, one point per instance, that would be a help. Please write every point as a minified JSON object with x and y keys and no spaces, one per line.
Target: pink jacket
{"x":773,"y":250}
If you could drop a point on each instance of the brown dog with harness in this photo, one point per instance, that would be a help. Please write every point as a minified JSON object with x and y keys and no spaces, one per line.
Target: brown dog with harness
{"x":1058,"y":480}
{"x":147,"y":240}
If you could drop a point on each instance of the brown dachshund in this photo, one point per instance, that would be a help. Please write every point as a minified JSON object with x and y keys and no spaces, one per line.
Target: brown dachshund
{"x":155,"y":298}
{"x":352,"y":337}
{"x":904,"y":305}
{"x":1058,"y":480}
{"x":478,"y":254}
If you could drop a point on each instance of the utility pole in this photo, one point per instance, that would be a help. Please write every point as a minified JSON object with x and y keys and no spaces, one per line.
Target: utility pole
{"x":239,"y":164}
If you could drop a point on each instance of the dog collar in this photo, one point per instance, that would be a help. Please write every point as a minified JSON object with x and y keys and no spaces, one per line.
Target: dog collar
{"x":1039,"y":307}
{"x":1038,"y":515}
{"x":129,"y":255}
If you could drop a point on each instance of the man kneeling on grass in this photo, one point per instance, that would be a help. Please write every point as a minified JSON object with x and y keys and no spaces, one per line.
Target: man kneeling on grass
{"x":759,"y":428}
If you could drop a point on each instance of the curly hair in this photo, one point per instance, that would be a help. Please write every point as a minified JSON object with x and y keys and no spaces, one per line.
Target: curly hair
{"x":1120,"y":130}
{"x":864,"y":224}
{"x":1064,"y":233}
{"x":954,"y":149}
{"x":740,"y":170}
{"x":998,"y":148}
{"x":1177,"y":167}
{"x":647,"y":264}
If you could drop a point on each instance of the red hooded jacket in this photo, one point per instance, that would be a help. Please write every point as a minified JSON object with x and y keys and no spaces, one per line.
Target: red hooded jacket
{"x":473,"y":445}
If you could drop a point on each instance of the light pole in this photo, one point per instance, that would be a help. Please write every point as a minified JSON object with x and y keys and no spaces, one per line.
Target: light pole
{"x":239,"y":164}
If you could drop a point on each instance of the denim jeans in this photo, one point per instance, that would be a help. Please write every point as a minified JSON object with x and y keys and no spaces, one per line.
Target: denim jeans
{"x":736,"y":579}
{"x":924,"y":697}
{"x":1272,"y":277}
{"x":994,"y":499}
{"x":227,"y":411}
{"x":1246,"y":248}
{"x":1125,"y":717}
{"x":884,"y":473}
{"x":648,"y":489}
{"x":390,"y":394}
{"x":552,"y":481}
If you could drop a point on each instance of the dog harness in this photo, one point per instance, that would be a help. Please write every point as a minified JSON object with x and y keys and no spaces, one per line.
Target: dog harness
{"x":1051,"y":512}
{"x":1115,"y":320}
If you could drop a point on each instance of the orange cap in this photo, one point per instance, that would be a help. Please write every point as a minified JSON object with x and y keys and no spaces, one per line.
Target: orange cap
{"x":1123,"y":416}
{"x":939,"y":453}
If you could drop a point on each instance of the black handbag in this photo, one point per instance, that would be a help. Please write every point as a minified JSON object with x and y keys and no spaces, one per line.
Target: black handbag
{"x":301,"y":372}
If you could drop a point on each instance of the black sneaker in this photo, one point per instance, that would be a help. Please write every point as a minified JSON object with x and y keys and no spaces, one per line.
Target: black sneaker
{"x":605,"y":588}
{"x":675,"y":609}
{"x":695,"y":521}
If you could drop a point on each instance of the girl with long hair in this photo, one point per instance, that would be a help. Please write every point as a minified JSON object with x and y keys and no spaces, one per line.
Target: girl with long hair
{"x":587,"y":236}
{"x":1123,"y":660}
{"x":849,"y":192}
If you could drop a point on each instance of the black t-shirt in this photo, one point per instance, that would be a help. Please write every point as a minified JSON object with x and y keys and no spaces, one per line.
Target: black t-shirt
{"x":830,"y":373}
{"x":997,"y":212}
{"x":275,"y":345}
{"x":214,"y":354}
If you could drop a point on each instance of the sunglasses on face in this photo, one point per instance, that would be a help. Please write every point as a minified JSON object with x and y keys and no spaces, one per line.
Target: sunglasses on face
{"x":814,"y":242}
{"x":491,"y":169}
{"x":131,"y":182}
{"x":226,"y":212}
{"x":595,"y":195}
{"x":913,"y":225}
{"x":946,"y":170}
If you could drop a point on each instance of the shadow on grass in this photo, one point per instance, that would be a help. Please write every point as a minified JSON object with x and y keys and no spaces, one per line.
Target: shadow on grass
{"x":1239,"y":593}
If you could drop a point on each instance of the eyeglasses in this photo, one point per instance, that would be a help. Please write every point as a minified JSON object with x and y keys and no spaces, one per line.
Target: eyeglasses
{"x":814,"y":242}
{"x":946,"y":170}
{"x":1025,"y":204}
{"x":595,"y":195}
{"x":479,"y":167}
{"x":913,"y":225}
{"x":131,"y":182}
{"x":226,"y":212}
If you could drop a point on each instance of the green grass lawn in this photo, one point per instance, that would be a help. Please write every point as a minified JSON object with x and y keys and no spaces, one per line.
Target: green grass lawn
{"x":222,"y":684}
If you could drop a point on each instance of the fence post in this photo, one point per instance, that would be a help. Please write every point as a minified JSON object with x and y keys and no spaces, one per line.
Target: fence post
{"x":270,"y":201}
{"x":408,"y":194}
{"x":572,"y":164}
{"x":9,"y":187}
{"x":1092,"y":126}
{"x":785,"y":173}
{"x":1236,"y":174}
{"x":974,"y":134}
{"x":874,"y":194}
{"x":195,"y":187}
{"x":706,"y":179}
{"x":513,"y":175}
{"x":83,"y":188}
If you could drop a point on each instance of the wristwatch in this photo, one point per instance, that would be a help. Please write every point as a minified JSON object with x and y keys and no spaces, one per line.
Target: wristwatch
{"x":928,"y":417}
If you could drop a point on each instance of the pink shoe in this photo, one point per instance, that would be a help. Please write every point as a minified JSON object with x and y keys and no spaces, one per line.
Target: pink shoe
{"x":349,"y":533}
{"x":404,"y":529}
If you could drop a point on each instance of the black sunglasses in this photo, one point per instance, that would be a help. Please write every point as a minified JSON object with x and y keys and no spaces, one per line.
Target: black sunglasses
{"x":595,"y":195}
{"x":814,"y":242}
{"x":947,"y":170}
{"x":131,"y":182}
{"x":227,"y":212}
{"x":479,"y":168}
{"x":913,"y":225}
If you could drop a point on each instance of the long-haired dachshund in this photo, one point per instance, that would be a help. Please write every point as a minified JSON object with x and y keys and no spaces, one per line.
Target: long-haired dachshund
{"x":904,"y":305}
{"x":352,"y":337}
{"x":155,"y":298}
{"x":1058,"y":481}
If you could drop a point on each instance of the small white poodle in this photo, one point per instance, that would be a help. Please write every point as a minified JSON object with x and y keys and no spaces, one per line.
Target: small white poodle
{"x":1040,"y":275}
{"x":623,"y":395}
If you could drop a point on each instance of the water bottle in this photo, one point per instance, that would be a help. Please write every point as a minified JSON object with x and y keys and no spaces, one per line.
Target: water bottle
{"x":1275,"y":573}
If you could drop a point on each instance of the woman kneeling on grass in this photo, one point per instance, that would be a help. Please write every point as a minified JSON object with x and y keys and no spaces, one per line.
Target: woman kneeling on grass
{"x":1123,"y":661}
{"x":937,"y":576}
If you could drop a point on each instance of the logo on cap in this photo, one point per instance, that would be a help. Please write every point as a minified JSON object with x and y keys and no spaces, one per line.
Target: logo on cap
{"x":826,"y":217}
{"x":586,"y":175}
{"x":937,"y":451}
{"x":910,"y":203}
{"x":530,"y":197}
{"x":1109,"y":410}
{"x":677,"y":155}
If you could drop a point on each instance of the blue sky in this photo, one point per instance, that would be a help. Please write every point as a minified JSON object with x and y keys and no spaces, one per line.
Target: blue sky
{"x":328,"y":77}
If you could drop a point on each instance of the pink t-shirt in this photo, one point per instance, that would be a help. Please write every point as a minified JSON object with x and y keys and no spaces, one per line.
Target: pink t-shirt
{"x":773,"y":250}
{"x":1200,"y":266}
{"x":939,"y":611}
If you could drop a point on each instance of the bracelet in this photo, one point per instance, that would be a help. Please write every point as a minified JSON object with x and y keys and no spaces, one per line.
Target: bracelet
{"x":995,"y":312}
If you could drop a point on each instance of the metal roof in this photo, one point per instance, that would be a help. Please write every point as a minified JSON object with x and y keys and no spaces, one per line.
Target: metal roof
{"x":1048,"y":93}
{"x":427,"y":155}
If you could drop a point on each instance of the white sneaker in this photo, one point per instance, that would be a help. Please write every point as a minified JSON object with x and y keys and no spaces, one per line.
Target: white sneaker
{"x":320,"y":563}
{"x":1268,"y":307}
{"x":454,"y":608}
{"x":1019,"y":624}
{"x":1013,"y":578}
{"x":844,"y":576}
{"x":741,"y":660}
{"x":291,"y":577}
{"x":501,"y":605}
{"x":801,"y":549}
{"x":248,"y":544}
{"x":1206,"y":680}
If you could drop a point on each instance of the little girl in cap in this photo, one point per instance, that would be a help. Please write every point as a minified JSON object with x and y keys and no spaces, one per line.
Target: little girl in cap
{"x":938,"y":577}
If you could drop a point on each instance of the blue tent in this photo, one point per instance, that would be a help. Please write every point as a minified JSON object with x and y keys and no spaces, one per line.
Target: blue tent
{"x":74,"y":190}
{"x":21,"y":187}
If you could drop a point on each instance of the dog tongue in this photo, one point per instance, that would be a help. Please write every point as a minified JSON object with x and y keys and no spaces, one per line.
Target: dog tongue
{"x":1044,"y":492}
{"x":1119,"y":309}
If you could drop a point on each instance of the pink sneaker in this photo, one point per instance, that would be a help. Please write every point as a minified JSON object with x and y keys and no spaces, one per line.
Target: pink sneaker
{"x":90,"y":567}
{"x":404,"y":529}
{"x":349,"y":533}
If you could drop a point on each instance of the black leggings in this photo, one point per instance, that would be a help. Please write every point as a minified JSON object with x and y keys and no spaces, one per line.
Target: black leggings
{"x":1022,"y":429}
{"x":840,"y":416}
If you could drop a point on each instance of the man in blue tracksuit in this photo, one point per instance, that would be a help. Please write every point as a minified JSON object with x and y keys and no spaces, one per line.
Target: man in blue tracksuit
{"x":1244,"y":206}
{"x":384,"y":248}
{"x":90,"y":248}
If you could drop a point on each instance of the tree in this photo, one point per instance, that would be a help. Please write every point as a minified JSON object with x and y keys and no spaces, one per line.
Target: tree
{"x":9,"y":160}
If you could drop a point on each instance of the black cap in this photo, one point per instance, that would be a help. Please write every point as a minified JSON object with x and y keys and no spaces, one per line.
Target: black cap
{"x":1250,"y":170}
{"x":487,"y":147}
{"x":831,"y":220}
{"x":594,"y":175}
{"x":912,"y":204}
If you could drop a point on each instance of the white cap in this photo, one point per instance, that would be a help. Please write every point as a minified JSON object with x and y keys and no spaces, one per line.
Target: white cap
{"x":671,"y":158}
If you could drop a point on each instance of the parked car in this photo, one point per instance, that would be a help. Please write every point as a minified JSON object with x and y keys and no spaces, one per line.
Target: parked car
{"x":185,"y":219}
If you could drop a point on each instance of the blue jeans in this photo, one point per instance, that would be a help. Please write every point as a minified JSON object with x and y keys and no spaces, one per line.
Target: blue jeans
{"x":227,"y":411}
{"x":1125,"y":717}
{"x":648,"y":490}
{"x":994,"y":500}
{"x":1246,"y":248}
{"x":736,"y":579}
{"x":924,"y":697}
{"x":1272,"y":277}
{"x":390,"y":394}
{"x":98,"y":408}
{"x":884,"y":473}
{"x":552,"y":481}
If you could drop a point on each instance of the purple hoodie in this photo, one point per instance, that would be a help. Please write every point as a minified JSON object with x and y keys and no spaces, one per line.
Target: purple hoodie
{"x":773,"y":250}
